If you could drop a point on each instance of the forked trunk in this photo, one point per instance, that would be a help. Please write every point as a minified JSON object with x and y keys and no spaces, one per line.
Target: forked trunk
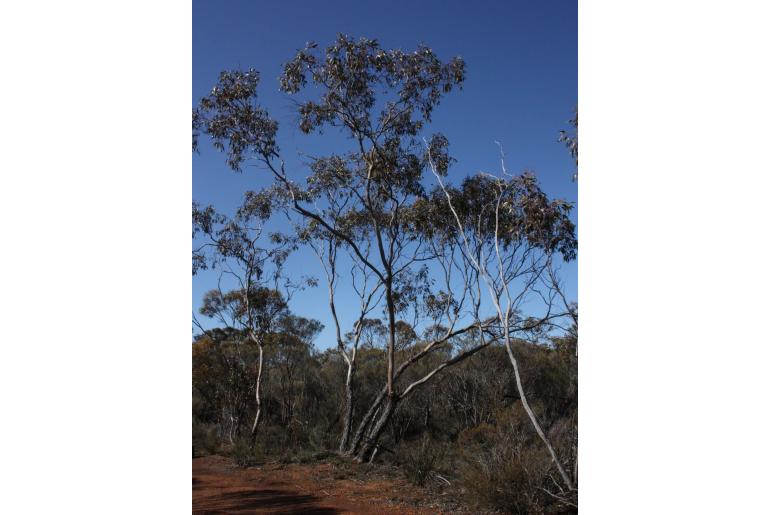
{"x":369,"y":445}
{"x":365,"y":423}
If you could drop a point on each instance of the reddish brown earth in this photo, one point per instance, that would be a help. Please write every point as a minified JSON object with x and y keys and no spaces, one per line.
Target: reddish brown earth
{"x":218,"y":486}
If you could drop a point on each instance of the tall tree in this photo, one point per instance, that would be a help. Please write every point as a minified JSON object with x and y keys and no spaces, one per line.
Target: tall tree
{"x":381,"y":99}
{"x":371,"y":200}
{"x":510,"y":233}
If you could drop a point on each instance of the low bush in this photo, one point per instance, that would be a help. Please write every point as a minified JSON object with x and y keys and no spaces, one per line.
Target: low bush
{"x":246,"y":454}
{"x":503,"y":467}
{"x":422,"y":461}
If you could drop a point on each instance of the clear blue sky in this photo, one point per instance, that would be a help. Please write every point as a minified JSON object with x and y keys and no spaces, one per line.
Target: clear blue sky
{"x":520,"y":89}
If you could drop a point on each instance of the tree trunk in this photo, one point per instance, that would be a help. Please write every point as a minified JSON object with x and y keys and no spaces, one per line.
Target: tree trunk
{"x":258,"y":416}
{"x":354,"y":447}
{"x":347,"y":420}
{"x":531,"y":413}
{"x":391,"y":330}
{"x":372,"y":438}
{"x":365,"y":422}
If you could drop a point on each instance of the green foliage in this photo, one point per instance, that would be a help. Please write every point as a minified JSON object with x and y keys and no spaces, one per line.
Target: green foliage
{"x":515,"y":209}
{"x":355,"y":72}
{"x":233,"y":118}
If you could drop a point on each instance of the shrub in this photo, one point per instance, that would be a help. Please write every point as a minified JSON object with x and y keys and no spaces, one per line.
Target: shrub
{"x":503,"y":467}
{"x":500,"y":480}
{"x":422,"y":461}
{"x":246,"y":454}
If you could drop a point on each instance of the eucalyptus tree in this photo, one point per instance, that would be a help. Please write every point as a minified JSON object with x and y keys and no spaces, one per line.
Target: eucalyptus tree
{"x":369,"y":292}
{"x":381,"y":99}
{"x":258,"y":300}
{"x":370,"y":200}
{"x":511,"y":232}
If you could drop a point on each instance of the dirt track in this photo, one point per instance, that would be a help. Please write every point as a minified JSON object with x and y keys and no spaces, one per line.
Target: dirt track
{"x":220,"y":487}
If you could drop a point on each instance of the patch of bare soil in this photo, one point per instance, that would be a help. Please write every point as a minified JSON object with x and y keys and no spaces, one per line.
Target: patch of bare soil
{"x":218,"y":486}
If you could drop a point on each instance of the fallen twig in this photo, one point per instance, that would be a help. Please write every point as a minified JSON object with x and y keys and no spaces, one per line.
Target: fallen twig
{"x":443,"y":479}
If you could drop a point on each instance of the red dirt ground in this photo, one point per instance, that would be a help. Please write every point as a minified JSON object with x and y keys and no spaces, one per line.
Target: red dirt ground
{"x":218,"y":486}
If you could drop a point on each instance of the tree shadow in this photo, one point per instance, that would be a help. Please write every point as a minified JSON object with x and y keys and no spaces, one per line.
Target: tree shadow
{"x":290,"y":503}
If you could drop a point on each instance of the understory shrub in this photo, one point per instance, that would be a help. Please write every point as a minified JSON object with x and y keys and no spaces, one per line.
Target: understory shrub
{"x":246,"y":454}
{"x":502,"y":466}
{"x":422,"y":460}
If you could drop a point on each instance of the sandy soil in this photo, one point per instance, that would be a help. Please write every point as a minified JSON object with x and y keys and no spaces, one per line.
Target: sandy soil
{"x":323,"y":488}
